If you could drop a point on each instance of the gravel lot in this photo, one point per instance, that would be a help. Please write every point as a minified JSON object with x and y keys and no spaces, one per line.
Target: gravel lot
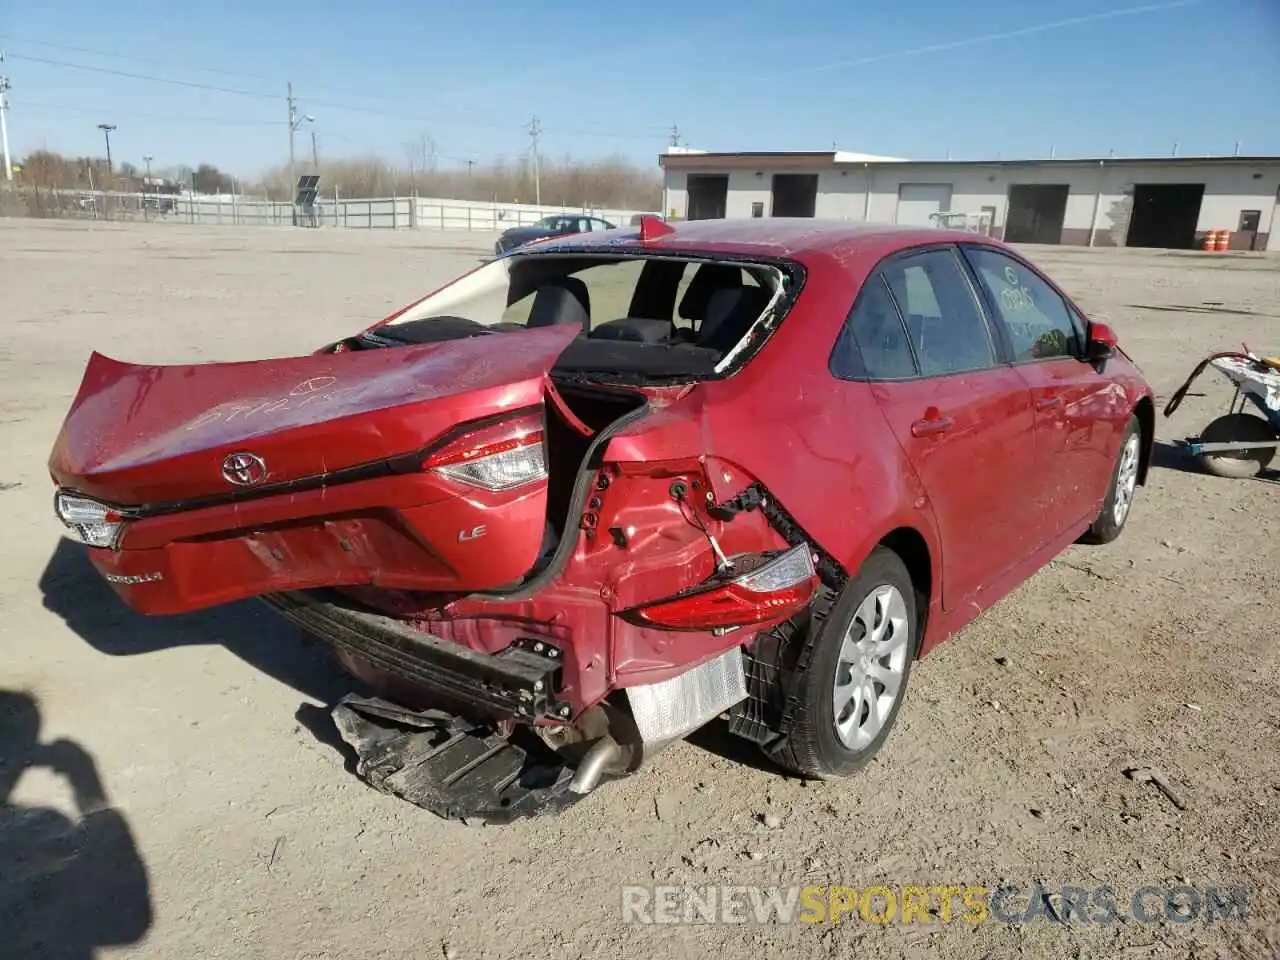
{"x":230,"y":828}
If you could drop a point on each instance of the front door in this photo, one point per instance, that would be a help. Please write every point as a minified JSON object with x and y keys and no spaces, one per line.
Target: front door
{"x":963,"y":420}
{"x":1074,"y":438}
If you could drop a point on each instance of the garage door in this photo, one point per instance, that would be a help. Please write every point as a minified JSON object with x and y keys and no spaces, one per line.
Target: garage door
{"x":917,"y":200}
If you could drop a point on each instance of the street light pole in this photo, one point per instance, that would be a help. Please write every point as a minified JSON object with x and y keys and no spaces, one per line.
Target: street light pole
{"x":106,"y":129}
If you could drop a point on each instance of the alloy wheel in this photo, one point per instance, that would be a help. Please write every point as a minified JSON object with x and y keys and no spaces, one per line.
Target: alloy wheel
{"x":1126,"y":480}
{"x":871,"y":667}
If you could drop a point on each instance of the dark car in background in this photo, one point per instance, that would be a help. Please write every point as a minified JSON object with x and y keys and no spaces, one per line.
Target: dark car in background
{"x":557,"y":225}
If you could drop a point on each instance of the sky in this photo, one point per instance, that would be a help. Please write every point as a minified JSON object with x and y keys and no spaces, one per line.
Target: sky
{"x":974,"y":79}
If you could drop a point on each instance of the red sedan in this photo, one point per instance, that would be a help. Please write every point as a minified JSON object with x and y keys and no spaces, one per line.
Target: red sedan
{"x":594,"y":494}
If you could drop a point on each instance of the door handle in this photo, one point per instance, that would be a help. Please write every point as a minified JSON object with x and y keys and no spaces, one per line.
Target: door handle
{"x":1045,"y":403}
{"x":931,"y":427}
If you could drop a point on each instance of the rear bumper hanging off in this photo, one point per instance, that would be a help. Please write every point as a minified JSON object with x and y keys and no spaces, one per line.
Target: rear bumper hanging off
{"x":519,"y":682}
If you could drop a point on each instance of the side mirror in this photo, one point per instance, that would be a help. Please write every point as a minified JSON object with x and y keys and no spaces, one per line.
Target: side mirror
{"x":1102,"y":342}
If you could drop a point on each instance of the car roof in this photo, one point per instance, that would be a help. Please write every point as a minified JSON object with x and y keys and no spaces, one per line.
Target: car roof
{"x":785,"y":237}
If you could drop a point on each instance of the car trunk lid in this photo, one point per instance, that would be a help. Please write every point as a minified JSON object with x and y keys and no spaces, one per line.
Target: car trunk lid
{"x":142,"y":435}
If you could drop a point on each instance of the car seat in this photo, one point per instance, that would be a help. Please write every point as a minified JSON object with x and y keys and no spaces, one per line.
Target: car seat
{"x":564,"y":300}
{"x":729,"y":314}
{"x":709,"y":278}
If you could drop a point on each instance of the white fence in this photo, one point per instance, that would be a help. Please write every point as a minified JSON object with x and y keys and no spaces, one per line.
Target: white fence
{"x":383,"y":213}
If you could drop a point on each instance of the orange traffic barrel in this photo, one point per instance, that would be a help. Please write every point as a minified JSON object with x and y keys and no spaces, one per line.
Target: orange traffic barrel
{"x":1210,"y":241}
{"x":1224,"y":240}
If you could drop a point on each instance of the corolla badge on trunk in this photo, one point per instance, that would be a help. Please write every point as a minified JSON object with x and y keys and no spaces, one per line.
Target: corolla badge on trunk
{"x":244,"y":469}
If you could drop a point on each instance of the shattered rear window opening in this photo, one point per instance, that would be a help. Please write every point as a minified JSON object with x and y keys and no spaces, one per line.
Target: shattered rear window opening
{"x":640,"y":316}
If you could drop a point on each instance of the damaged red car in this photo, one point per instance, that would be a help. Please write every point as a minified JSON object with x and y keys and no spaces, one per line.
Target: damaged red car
{"x":599,"y":492}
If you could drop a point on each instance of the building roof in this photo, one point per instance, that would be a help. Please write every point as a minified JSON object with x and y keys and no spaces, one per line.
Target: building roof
{"x":824,"y":159}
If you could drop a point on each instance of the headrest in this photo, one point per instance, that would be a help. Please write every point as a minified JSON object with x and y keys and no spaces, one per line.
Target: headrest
{"x":729,"y":314}
{"x":709,"y":278}
{"x":562,"y":301}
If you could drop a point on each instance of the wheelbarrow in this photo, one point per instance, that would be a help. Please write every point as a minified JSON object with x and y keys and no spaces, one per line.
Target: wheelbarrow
{"x":1237,"y":444}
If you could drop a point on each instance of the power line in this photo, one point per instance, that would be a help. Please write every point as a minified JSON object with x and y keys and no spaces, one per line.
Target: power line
{"x":222,"y":71}
{"x":146,"y":115}
{"x":129,"y":58}
{"x":330,"y":104}
{"x":192,"y":84}
{"x":985,"y":38}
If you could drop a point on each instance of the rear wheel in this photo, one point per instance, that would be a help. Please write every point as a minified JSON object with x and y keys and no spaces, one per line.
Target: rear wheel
{"x":852,"y":673}
{"x":1238,"y":428}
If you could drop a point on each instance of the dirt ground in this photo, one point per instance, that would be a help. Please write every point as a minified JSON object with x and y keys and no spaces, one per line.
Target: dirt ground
{"x":227,"y":826}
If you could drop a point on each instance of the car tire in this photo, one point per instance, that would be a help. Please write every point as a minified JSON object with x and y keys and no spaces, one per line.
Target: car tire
{"x":1118,"y":503}
{"x":874,"y":620}
{"x":1238,"y":428}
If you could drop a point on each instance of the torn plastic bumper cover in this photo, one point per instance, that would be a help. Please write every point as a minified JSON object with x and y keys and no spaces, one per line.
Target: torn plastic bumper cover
{"x":455,"y":769}
{"x":463,"y":770}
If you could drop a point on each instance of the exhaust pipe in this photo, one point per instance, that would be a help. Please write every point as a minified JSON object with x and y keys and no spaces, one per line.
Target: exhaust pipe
{"x":604,"y":753}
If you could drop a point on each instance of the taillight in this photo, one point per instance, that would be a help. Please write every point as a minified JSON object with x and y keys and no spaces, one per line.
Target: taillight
{"x":762,"y":588}
{"x":497,"y":457}
{"x":94,"y":523}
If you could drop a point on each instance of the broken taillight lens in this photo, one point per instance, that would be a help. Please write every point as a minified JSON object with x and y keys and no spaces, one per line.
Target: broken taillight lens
{"x":497,"y":457}
{"x":771,"y":587}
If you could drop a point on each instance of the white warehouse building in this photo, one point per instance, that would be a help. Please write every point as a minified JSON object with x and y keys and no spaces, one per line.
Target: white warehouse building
{"x":1169,"y":202}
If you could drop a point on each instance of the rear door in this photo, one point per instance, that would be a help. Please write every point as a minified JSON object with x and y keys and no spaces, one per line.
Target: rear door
{"x":1074,"y":436}
{"x":963,"y":419}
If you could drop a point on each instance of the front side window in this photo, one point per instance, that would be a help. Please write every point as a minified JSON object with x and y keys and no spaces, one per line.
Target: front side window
{"x":945,"y":326}
{"x":1039,"y":323}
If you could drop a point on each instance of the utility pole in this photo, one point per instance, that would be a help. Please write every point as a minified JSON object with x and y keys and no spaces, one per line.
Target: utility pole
{"x":146,"y":186}
{"x":675,"y":135}
{"x":295,"y":122}
{"x":106,"y":129}
{"x":427,"y":147}
{"x":535,"y":131}
{"x":4,"y":122}
{"x":293,"y":125}
{"x":315,"y":154}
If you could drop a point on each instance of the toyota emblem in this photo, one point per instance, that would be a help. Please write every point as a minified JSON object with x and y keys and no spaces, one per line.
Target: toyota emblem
{"x":244,"y":469}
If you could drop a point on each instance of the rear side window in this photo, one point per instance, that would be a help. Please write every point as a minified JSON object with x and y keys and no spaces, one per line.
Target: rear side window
{"x":945,"y":326}
{"x":1039,"y":323}
{"x":873,"y":344}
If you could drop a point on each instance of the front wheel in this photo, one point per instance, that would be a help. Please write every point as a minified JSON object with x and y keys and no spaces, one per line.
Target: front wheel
{"x":1124,"y":484}
{"x":852,"y":673}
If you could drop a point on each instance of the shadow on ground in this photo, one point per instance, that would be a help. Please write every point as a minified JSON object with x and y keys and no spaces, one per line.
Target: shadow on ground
{"x":69,"y":884}
{"x":76,"y":592}
{"x":715,"y":738}
{"x":1169,"y":456}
